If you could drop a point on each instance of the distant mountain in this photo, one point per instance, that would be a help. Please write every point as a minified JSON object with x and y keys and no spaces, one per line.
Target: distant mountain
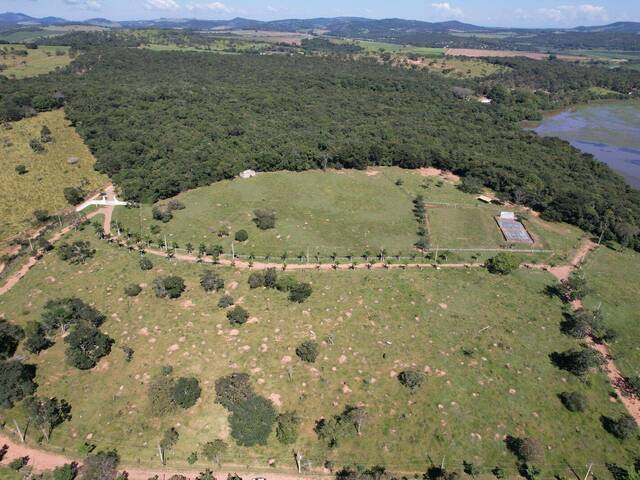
{"x":346,"y":26}
{"x":617,"y":27}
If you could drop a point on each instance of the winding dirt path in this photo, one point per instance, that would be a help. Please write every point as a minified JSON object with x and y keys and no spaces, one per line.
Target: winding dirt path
{"x":41,"y":460}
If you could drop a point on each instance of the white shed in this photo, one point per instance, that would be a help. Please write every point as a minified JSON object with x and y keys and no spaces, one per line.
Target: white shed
{"x":507,"y":216}
{"x":248,"y":174}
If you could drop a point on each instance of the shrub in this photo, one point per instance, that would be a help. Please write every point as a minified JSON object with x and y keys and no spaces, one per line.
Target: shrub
{"x":573,"y":401}
{"x":256,"y":280}
{"x":300,"y":292}
{"x":171,"y":287}
{"x":622,"y":428}
{"x":238,"y":316}
{"x":233,"y":389}
{"x":76,"y":253}
{"x":145,"y":263}
{"x":252,"y":421}
{"x":192,"y":458}
{"x":161,"y":394}
{"x":578,"y":362}
{"x":187,"y":391}
{"x":68,"y":471}
{"x":308,"y":351}
{"x":73,"y":195}
{"x":101,"y":466}
{"x":16,"y":382}
{"x":10,"y":336}
{"x":503,"y":264}
{"x":270,"y":278}
{"x":411,"y":378}
{"x":41,"y":216}
{"x":161,"y":213}
{"x":132,"y":290}
{"x":21,"y":169}
{"x":211,"y":281}
{"x":212,"y":451}
{"x":175,"y":205}
{"x":287,"y":428}
{"x":45,"y":134}
{"x":63,"y":313}
{"x":242,"y":236}
{"x":225,"y":301}
{"x":36,"y":146}
{"x":264,"y":219}
{"x":18,"y":463}
{"x":285,"y":283}
{"x":86,"y":345}
{"x":528,"y":450}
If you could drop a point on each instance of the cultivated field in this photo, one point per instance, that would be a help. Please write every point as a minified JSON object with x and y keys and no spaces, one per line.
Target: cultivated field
{"x":382,"y":47}
{"x":483,"y":340}
{"x":457,"y":67}
{"x":477,"y":53}
{"x":614,"y":278}
{"x":47,"y":172}
{"x":20,"y":62}
{"x":345,"y":212}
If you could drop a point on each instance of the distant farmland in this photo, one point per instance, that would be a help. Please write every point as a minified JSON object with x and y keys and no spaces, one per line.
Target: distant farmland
{"x":478,"y":53}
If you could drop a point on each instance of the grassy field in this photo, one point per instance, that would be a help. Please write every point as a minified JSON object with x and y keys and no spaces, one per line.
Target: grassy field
{"x":48,"y":172}
{"x":462,"y":68}
{"x":42,"y":60}
{"x":614,"y":278}
{"x":382,"y":47}
{"x":483,"y":341}
{"x":346,"y":212}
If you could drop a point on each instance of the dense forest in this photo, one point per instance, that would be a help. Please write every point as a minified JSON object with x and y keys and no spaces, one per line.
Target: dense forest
{"x":163,"y":122}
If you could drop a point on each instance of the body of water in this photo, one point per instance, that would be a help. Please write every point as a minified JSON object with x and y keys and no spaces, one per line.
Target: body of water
{"x":610,"y":132}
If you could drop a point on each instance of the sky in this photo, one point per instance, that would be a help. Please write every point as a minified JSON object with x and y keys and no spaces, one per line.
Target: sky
{"x":502,"y":13}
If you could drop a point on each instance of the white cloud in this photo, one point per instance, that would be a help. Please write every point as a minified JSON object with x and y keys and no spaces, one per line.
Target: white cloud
{"x":586,"y":12}
{"x":85,"y":4}
{"x":161,"y":5}
{"x":212,"y":6}
{"x":445,"y":8}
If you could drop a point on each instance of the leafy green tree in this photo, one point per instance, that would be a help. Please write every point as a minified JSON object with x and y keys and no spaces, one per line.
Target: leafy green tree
{"x":145,"y":263}
{"x":132,"y":290}
{"x":73,"y":195}
{"x":241,"y":236}
{"x":100,"y":466}
{"x":287,"y":428}
{"x":573,"y":401}
{"x":16,"y":382}
{"x":252,"y":421}
{"x":169,"y":439}
{"x":308,"y":351}
{"x":10,"y":336}
{"x":211,"y":281}
{"x":47,"y":413}
{"x":68,"y":471}
{"x":225,"y":301}
{"x":41,"y":215}
{"x":264,"y":219}
{"x":256,"y":280}
{"x":63,"y":313}
{"x":171,"y":287}
{"x":578,"y":362}
{"x":36,"y":338}
{"x":270,"y":278}
{"x":186,"y":391}
{"x":214,"y":450}
{"x":86,"y":345}
{"x":237,"y":316}
{"x":503,"y":263}
{"x":77,"y":252}
{"x":623,"y":428}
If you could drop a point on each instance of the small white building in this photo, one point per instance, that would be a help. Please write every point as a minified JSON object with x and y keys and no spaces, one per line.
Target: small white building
{"x":248,"y":174}
{"x":484,"y":100}
{"x":507,"y":216}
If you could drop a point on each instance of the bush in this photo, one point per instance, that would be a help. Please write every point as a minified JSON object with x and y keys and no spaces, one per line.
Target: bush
{"x":73,"y":195}
{"x":233,"y":389}
{"x":36,"y":146}
{"x":573,"y":401}
{"x":270,"y":278}
{"x":264,"y":219}
{"x":145,"y":263}
{"x":41,"y":216}
{"x":471,"y":185}
{"x":503,"y":264}
{"x":68,"y":471}
{"x":411,"y":378}
{"x":252,"y":421}
{"x":132,"y":290}
{"x":86,"y":345}
{"x":242,"y":236}
{"x":187,"y":391}
{"x":578,"y":362}
{"x":212,"y":451}
{"x":101,"y":466}
{"x":256,"y":280}
{"x":286,"y":283}
{"x":36,"y":340}
{"x":308,"y":351}
{"x":300,"y":292}
{"x":238,"y":316}
{"x":622,"y":428}
{"x":76,"y":253}
{"x":171,"y":287}
{"x":225,"y":301}
{"x":63,"y":313}
{"x":161,"y":394}
{"x":287,"y":428}
{"x":175,"y":205}
{"x":162,"y":214}
{"x":528,"y":450}
{"x":21,"y":169}
{"x":18,"y":463}
{"x":211,"y":281}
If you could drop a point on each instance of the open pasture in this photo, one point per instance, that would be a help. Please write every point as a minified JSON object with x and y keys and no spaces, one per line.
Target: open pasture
{"x":47,"y":173}
{"x":482,"y":340}
{"x":346,"y":212}
{"x":19,"y":62}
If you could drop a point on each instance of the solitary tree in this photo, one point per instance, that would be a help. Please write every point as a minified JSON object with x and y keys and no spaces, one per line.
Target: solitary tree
{"x":47,"y":413}
{"x":213,"y":451}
